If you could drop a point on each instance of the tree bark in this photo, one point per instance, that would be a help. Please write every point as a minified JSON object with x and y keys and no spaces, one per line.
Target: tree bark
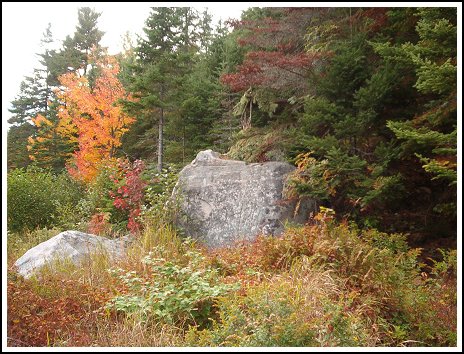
{"x":160,"y":141}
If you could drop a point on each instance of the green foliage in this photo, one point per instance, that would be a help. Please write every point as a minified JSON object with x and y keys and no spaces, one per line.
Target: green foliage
{"x":164,"y":60}
{"x":440,"y":170}
{"x":385,"y":189}
{"x":344,"y":130}
{"x":268,"y":316}
{"x":339,"y":177}
{"x":73,"y":54}
{"x":386,"y":99}
{"x":310,"y":179}
{"x":187,"y":130}
{"x":435,"y":78}
{"x":373,"y":98}
{"x":115,"y":197}
{"x":158,"y":194}
{"x":368,"y":113}
{"x":262,"y":144}
{"x":368,"y":91}
{"x":431,"y":134}
{"x":31,"y":100}
{"x":348,"y":71}
{"x":49,"y":148}
{"x":37,"y":198}
{"x":422,"y":136}
{"x":447,"y":266}
{"x":175,"y":292}
{"x":98,"y":199}
{"x":17,"y":154}
{"x":319,"y":116}
{"x":87,"y":35}
{"x":175,"y":71}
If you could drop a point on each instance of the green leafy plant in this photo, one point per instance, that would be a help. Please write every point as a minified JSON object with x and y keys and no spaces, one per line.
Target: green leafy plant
{"x":37,"y":198}
{"x":158,"y":204}
{"x":267,"y":316}
{"x":174,"y":293}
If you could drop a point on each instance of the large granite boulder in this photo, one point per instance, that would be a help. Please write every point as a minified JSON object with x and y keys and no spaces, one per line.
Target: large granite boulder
{"x":222,"y":201}
{"x":73,"y":245}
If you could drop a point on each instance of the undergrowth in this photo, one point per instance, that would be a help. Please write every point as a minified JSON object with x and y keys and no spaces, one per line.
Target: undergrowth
{"x":322,"y":284}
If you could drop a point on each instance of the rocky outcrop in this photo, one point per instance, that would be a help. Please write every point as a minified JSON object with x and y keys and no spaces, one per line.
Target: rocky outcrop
{"x":73,"y":245}
{"x":222,"y":201}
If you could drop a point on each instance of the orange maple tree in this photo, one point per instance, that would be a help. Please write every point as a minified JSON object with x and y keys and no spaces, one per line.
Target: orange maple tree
{"x":96,"y":116}
{"x":53,"y":141}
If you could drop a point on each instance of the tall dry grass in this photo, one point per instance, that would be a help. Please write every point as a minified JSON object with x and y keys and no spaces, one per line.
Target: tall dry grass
{"x":324,"y":284}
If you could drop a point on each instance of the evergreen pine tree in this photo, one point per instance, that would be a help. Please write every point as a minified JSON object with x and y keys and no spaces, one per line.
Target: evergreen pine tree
{"x":157,"y":75}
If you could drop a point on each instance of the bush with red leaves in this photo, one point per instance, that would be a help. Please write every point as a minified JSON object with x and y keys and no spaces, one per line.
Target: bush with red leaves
{"x":129,"y":195}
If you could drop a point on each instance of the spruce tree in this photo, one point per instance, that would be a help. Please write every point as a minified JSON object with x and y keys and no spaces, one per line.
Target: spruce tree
{"x":381,"y":124}
{"x":31,"y":101}
{"x":428,"y":137}
{"x":157,"y":73}
{"x":34,"y":109}
{"x":87,"y":34}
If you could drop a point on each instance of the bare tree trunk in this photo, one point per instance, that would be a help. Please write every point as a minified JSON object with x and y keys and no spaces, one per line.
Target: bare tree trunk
{"x":160,"y":141}
{"x":183,"y":143}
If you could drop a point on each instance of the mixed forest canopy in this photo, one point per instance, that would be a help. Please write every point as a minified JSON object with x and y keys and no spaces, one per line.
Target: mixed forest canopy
{"x":362,"y":100}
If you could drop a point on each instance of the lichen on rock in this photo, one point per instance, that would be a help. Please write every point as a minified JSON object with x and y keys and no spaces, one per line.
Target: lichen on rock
{"x":223,"y":201}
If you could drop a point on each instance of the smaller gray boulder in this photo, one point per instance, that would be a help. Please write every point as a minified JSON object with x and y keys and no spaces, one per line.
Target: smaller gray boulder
{"x":74,"y":245}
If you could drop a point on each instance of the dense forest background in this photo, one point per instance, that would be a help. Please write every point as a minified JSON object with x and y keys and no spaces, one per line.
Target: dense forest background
{"x":363,"y":101}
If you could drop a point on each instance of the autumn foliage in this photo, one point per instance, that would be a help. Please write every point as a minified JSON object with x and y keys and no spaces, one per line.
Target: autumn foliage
{"x":41,"y":316}
{"x":129,"y":195}
{"x":96,"y":116}
{"x":267,"y":69}
{"x":277,"y":58}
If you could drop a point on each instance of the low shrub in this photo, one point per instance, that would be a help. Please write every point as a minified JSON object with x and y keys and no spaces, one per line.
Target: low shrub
{"x":37,"y":198}
{"x":129,"y":195}
{"x":39,"y":315}
{"x":98,"y":205}
{"x":173,"y":293}
{"x":158,"y":203}
{"x":268,"y":315}
{"x":382,"y":296}
{"x":322,"y":284}
{"x":114,"y":198}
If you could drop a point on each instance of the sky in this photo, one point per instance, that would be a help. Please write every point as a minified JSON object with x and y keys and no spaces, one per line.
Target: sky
{"x":23,"y":25}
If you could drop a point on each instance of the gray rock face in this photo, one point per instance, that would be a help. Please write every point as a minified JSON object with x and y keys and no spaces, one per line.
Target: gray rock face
{"x":222,"y":201}
{"x":74,"y":245}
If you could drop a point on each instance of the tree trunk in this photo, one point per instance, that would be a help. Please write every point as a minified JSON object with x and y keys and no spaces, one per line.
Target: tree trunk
{"x":160,"y":141}
{"x":183,"y":142}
